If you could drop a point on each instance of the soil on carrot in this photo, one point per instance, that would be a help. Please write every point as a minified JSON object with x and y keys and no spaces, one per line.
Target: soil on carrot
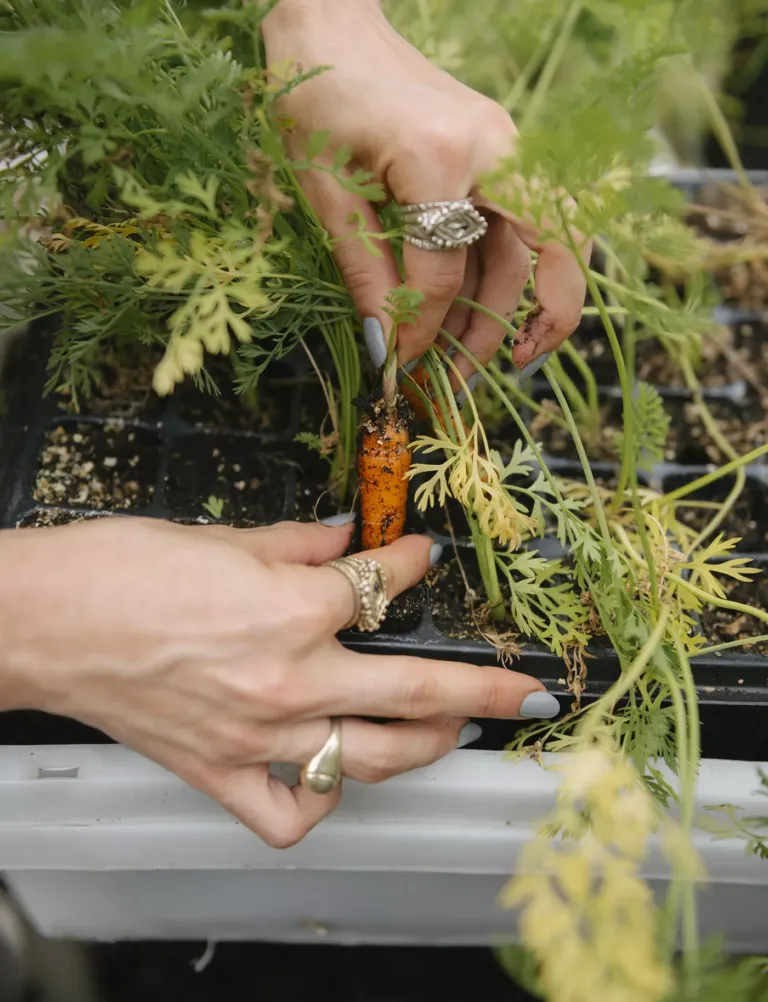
{"x":253,"y":485}
{"x":747,"y":520}
{"x":122,"y":388}
{"x":111,"y":466}
{"x":721,"y":626}
{"x":267,"y":411}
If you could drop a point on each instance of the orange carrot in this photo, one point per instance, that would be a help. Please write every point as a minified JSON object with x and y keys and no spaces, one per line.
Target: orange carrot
{"x":383,"y":460}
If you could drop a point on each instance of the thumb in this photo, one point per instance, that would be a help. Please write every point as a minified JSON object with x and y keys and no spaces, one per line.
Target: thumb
{"x":290,"y":542}
{"x":369,"y":272}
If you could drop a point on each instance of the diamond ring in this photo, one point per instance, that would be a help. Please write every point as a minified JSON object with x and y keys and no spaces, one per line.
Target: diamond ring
{"x":442,"y":225}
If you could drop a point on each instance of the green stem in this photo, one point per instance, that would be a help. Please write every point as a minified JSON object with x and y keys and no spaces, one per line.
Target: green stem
{"x":569,"y":388}
{"x":522,"y":83}
{"x":631,"y":675}
{"x":678,"y":903}
{"x":589,"y":380}
{"x":688,"y":803}
{"x":723,"y":444}
{"x":709,"y":478}
{"x":742,"y":642}
{"x":628,"y":470}
{"x":722,"y":130}
{"x":555,"y":58}
{"x":583,"y":458}
{"x":629,"y":446}
{"x":486,"y":563}
{"x":720,"y":603}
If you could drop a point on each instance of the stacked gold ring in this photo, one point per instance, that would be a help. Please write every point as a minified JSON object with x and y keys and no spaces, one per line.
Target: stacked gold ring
{"x":369,"y":584}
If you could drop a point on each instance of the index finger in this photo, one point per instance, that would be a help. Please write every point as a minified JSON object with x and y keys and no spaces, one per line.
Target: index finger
{"x":404,"y":562}
{"x":439,"y":276}
{"x":412,"y":688}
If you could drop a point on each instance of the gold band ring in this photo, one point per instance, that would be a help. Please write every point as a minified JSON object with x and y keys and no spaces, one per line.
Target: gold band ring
{"x":323,"y":771}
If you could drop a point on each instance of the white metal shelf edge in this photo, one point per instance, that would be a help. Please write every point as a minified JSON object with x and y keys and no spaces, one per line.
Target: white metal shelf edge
{"x":470,"y":813}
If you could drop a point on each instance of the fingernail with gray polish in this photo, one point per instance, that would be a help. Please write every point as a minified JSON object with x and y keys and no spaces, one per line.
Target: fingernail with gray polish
{"x":343,"y":518}
{"x":540,"y":704}
{"x":435,"y":552}
{"x":533,"y":367}
{"x":373,"y":333}
{"x":410,"y":366}
{"x":468,"y":734}
{"x":461,"y":396}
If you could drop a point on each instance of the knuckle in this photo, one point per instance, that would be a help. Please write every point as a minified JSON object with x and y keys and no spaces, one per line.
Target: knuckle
{"x":359,"y":274}
{"x":421,"y":690}
{"x":444,"y":283}
{"x":275,"y":693}
{"x":491,"y":695}
{"x":388,"y":761}
{"x":230,"y":742}
{"x":496,"y":121}
{"x":567,"y":320}
{"x":445,"y":143}
{"x":521,"y":265}
{"x":284,"y":833}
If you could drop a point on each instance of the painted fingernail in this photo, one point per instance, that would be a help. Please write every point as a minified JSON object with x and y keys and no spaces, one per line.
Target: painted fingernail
{"x":540,"y":704}
{"x":435,"y":552}
{"x":343,"y":518}
{"x":533,"y":367}
{"x":468,"y":734}
{"x":461,"y":396}
{"x":410,"y":366}
{"x":373,"y":333}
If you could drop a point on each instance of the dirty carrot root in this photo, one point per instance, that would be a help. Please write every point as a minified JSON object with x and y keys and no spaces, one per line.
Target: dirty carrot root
{"x":383,"y":460}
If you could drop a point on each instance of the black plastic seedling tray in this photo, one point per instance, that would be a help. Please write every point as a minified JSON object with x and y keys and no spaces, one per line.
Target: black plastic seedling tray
{"x":189,"y":447}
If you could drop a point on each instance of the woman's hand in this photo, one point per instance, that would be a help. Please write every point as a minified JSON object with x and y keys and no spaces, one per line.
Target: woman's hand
{"x":426,"y":137}
{"x":213,"y":651}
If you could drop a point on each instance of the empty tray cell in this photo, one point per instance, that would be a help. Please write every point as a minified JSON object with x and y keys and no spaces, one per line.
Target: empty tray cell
{"x":40,"y":518}
{"x":456,"y":596}
{"x":121,"y":386}
{"x":242,"y":482}
{"x":313,"y":499}
{"x":267,"y":410}
{"x":747,"y":519}
{"x":110,"y":466}
{"x":459,"y":605}
{"x":714,"y":370}
{"x":744,"y":426}
{"x":721,"y":626}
